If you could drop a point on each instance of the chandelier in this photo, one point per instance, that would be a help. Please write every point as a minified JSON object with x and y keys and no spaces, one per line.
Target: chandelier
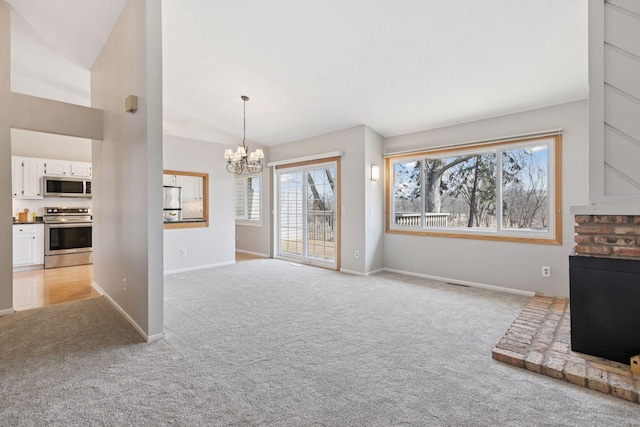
{"x":242,"y":161}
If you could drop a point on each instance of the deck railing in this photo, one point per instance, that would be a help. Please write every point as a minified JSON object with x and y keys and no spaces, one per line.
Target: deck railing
{"x":430,"y":219}
{"x":320,"y":225}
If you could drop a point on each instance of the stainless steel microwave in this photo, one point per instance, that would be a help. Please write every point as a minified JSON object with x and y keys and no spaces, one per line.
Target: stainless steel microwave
{"x":57,"y":186}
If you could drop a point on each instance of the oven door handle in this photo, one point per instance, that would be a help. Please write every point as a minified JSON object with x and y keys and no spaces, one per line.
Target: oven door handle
{"x":68,"y":224}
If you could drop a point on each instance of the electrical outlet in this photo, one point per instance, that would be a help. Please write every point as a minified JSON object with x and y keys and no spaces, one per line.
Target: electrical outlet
{"x":546,"y":271}
{"x":357,"y":254}
{"x":183,"y":252}
{"x":124,"y":284}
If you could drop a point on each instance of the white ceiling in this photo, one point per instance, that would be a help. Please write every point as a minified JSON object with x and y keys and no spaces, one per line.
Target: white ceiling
{"x":312,"y":67}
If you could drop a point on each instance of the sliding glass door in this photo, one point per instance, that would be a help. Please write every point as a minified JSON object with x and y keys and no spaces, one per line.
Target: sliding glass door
{"x":308,"y":214}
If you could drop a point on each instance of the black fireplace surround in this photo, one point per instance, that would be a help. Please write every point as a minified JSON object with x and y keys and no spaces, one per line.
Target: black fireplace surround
{"x":605,"y":307}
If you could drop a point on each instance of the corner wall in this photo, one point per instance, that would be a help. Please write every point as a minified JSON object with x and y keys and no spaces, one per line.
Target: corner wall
{"x":206,"y":247}
{"x":127,"y":167}
{"x":502,"y":264}
{"x":6,"y":232}
{"x":256,"y":239}
{"x":374,"y":202}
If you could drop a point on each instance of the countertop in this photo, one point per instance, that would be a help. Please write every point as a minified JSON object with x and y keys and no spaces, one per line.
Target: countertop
{"x":38,"y":221}
{"x":184,"y":220}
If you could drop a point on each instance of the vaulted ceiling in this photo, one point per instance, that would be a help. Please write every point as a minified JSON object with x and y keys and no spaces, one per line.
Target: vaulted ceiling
{"x":312,"y":67}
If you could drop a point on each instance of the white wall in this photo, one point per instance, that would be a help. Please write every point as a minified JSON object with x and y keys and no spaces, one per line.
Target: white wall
{"x":6,"y":236}
{"x":374,"y":203}
{"x":50,"y":146}
{"x":206,"y":247}
{"x":38,"y":70}
{"x":256,"y":239}
{"x":614,"y":88}
{"x":502,"y":264}
{"x":127,"y":168}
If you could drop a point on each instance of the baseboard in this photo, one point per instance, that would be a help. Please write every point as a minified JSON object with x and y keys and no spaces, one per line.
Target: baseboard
{"x":97,"y":287}
{"x":125,"y":315}
{"x":155,"y":337}
{"x":6,"y":312}
{"x":198,"y":267}
{"x":253,"y":253}
{"x":359,"y":273}
{"x":463,"y":282}
{"x":28,"y":268}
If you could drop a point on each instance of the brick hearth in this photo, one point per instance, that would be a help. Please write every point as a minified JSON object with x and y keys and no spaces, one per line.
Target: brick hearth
{"x":540,"y":340}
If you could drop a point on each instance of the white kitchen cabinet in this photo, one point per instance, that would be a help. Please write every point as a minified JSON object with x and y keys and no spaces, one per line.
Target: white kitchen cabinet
{"x":56,"y":168}
{"x":169,"y":180}
{"x":16,"y":177}
{"x":80,"y":169}
{"x":66,"y":168}
{"x":28,"y":244}
{"x":191,"y":187}
{"x":27,"y":174}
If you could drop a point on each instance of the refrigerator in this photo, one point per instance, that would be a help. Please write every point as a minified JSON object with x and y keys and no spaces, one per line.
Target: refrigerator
{"x":172,"y":203}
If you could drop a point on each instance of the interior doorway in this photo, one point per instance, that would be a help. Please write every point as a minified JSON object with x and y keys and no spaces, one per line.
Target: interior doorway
{"x":308,"y":217}
{"x":59,"y":159}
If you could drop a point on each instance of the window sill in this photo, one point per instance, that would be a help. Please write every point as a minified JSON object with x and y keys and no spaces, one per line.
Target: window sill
{"x":248,"y":223}
{"x":186,"y":223}
{"x":479,"y":236}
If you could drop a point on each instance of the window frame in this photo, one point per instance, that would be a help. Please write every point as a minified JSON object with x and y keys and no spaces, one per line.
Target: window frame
{"x":245,"y":182}
{"x":204,"y":223}
{"x":554,"y":176}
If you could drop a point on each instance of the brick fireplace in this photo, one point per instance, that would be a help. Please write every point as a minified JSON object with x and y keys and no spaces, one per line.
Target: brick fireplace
{"x":605,"y":286}
{"x":609,"y":236}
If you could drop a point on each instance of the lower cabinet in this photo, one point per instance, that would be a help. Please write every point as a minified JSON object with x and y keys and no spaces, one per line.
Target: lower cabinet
{"x":28,"y":244}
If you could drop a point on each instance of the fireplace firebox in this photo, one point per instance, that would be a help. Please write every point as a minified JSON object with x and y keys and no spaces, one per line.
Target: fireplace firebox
{"x":605,"y":307}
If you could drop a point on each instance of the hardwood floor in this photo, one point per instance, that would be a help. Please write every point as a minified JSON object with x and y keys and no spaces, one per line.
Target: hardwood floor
{"x":42,"y":288}
{"x":243,"y":256}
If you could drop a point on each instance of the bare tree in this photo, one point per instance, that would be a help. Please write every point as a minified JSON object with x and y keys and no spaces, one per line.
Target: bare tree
{"x":434,"y":169}
{"x":526,"y":196}
{"x":474,"y":180}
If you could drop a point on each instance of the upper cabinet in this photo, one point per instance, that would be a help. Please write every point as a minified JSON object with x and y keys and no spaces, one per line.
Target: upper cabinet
{"x":169,"y":180}
{"x":66,"y":168}
{"x":80,"y":169}
{"x":26,"y":173}
{"x":191,"y":187}
{"x":55,"y":167}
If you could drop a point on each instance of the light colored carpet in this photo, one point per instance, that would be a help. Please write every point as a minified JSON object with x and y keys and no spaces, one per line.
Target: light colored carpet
{"x":266,"y":342}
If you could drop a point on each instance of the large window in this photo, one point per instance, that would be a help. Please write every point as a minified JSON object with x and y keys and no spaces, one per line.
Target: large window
{"x":247,"y":191}
{"x":501,"y":191}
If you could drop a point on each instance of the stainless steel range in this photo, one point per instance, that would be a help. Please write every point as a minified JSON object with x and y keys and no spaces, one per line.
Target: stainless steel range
{"x":67,"y":237}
